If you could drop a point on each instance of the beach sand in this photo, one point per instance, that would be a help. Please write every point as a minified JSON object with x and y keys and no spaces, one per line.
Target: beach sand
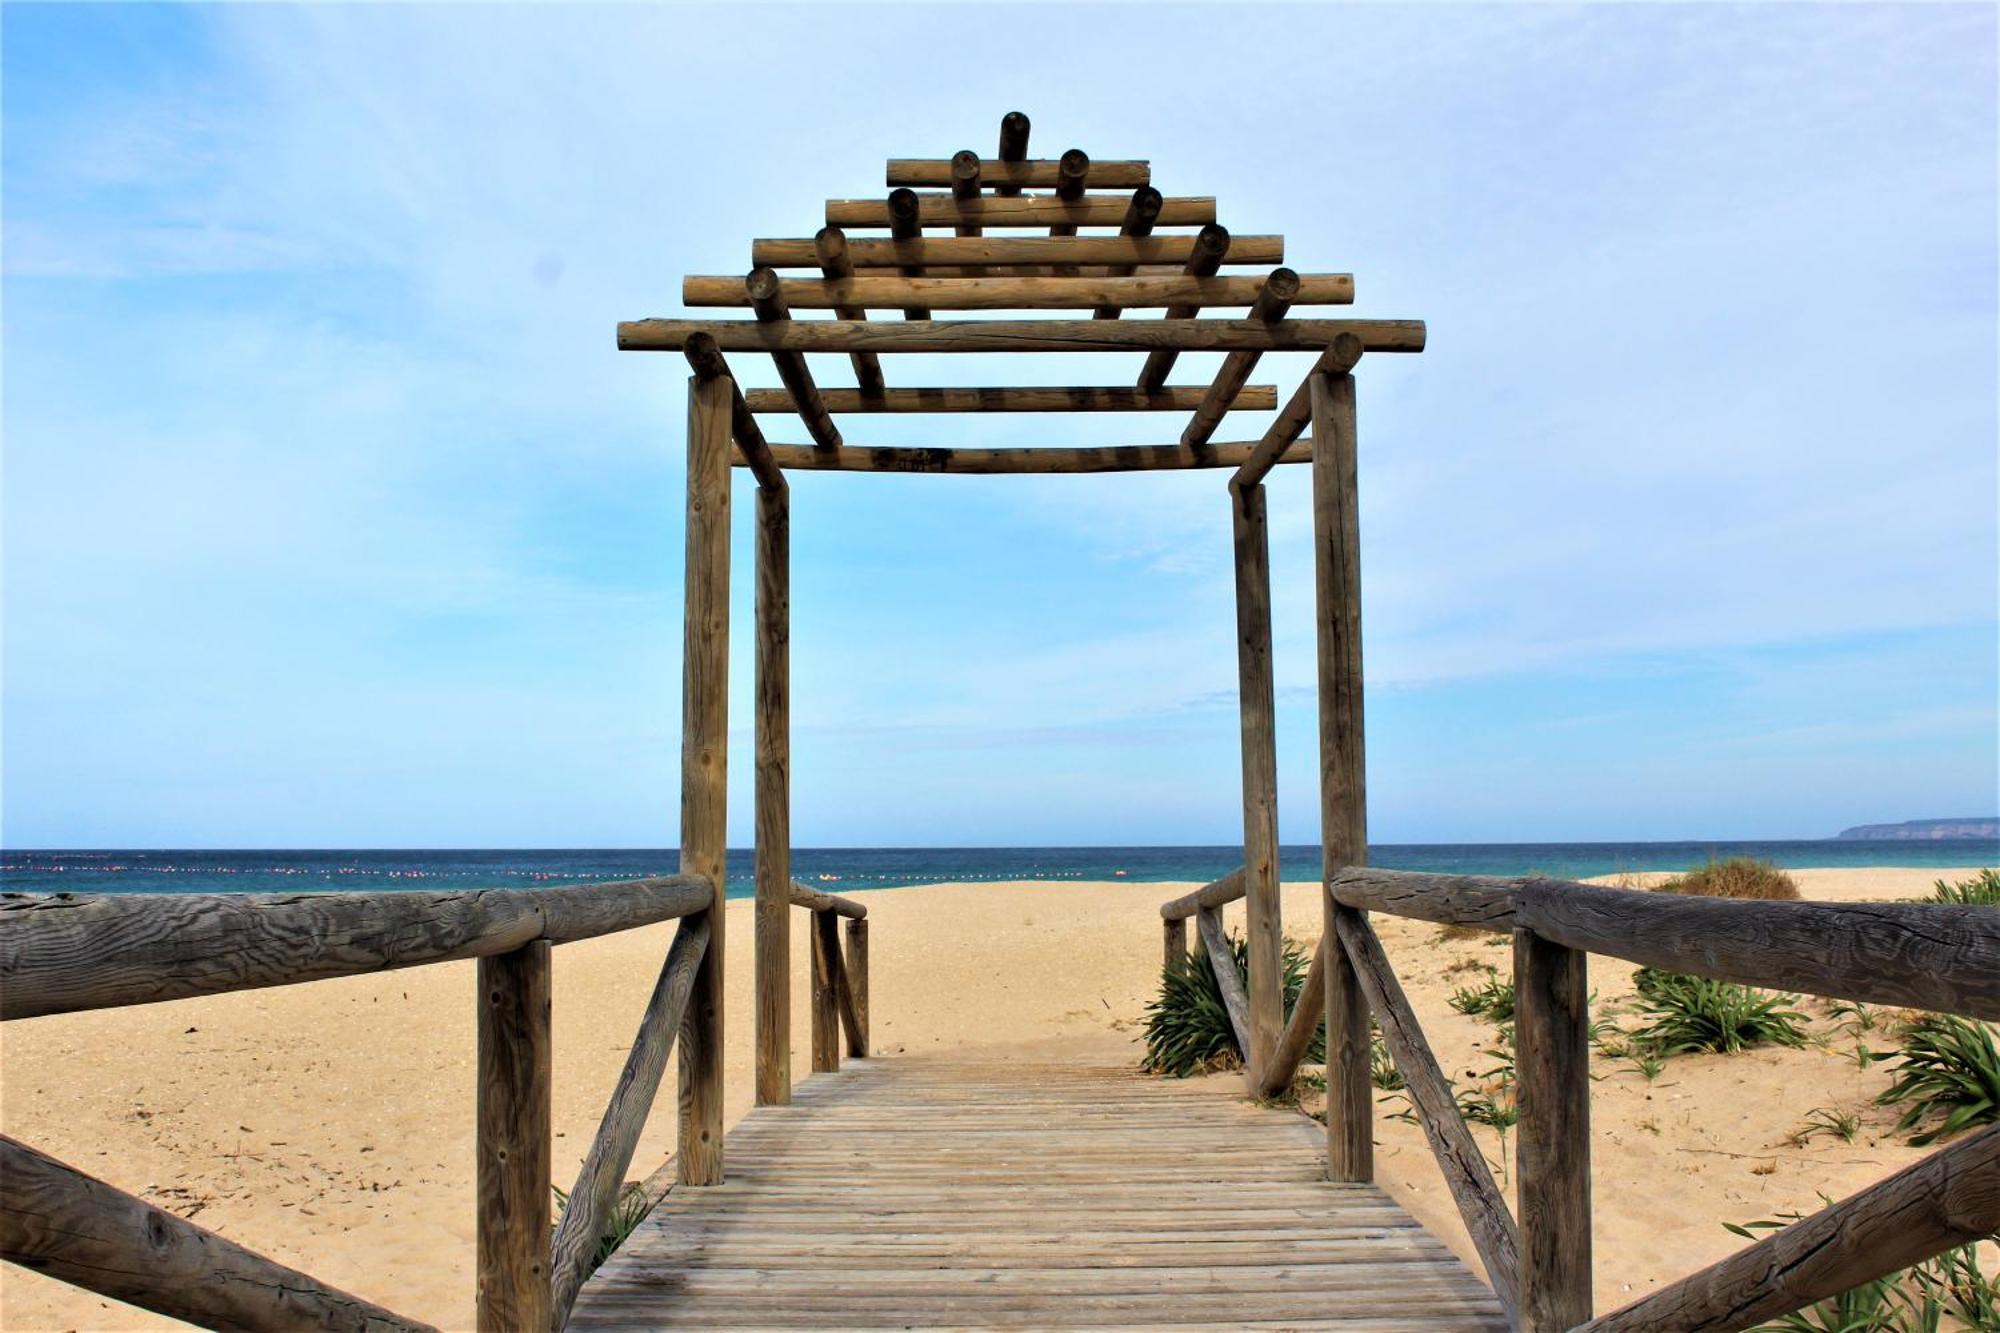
{"x":330,"y":1125}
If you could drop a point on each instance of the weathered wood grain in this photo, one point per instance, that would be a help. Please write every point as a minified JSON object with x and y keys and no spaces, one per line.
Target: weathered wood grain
{"x":813,"y":899}
{"x":825,"y":993}
{"x":1307,"y":1018}
{"x":1178,"y":251}
{"x":1279,"y":292}
{"x":1297,"y":413}
{"x":1484,"y":902}
{"x":773,"y":795}
{"x":1031,"y":293}
{"x":936,"y":172}
{"x":1950,"y":1198}
{"x":602,"y":1175}
{"x":60,"y":1222}
{"x":708,"y":362}
{"x":63,"y":952}
{"x":515,"y":1130}
{"x":1021,"y":335}
{"x":854,"y":976}
{"x":1552,"y":1141}
{"x":1217,"y":893}
{"x":830,"y":248}
{"x":1222,"y":961}
{"x":1023,"y":398}
{"x":1479,"y":1200}
{"x":1175,"y":944}
{"x":1258,"y":742}
{"x":1205,"y":256}
{"x":764,"y":292}
{"x":1016,"y":461}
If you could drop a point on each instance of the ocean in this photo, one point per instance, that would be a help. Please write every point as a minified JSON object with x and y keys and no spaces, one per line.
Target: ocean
{"x":847,"y":869}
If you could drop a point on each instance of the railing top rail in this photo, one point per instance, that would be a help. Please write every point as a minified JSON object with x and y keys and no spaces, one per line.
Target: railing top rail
{"x":1919,"y":955}
{"x":63,"y":952}
{"x":827,"y":902}
{"x":1206,"y":898}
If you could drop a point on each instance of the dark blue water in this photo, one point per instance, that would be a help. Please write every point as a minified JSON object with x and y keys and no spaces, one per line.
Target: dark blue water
{"x":847,"y":869}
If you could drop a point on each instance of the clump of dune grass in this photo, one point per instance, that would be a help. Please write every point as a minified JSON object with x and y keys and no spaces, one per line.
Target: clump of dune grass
{"x":1982,"y":890}
{"x":1492,"y":1001}
{"x":627,"y":1212}
{"x":1187,"y":1026}
{"x":1737,"y":877}
{"x":1950,"y":1069}
{"x":1688,"y":1014}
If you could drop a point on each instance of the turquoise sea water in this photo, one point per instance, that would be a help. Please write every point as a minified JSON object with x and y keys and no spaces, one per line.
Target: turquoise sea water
{"x":850,"y":869}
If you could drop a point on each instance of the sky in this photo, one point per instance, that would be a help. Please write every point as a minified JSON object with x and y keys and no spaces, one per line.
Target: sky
{"x":333,"y":518}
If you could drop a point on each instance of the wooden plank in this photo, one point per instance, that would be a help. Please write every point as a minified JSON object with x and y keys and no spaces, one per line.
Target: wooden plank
{"x":1038,"y":174}
{"x":801,"y":896}
{"x":1552,"y":1143}
{"x":1175,"y":251}
{"x":1277,"y":295}
{"x":1257,"y":717}
{"x":512,"y":1147}
{"x":1024,"y":398}
{"x":830,"y":249}
{"x":1297,"y":413}
{"x":773,"y":795}
{"x":854,"y":976}
{"x":1022,"y":335}
{"x":1479,"y":1200}
{"x":1012,"y":461}
{"x":943,"y":210}
{"x":1215,"y":894}
{"x":707,"y":362}
{"x":64,"y":952}
{"x":825,"y":993}
{"x":704,"y":765}
{"x":602,"y":1175}
{"x":1950,"y":1198}
{"x":1222,"y":961}
{"x":60,"y":1222}
{"x":1211,"y":245}
{"x":765,"y":294}
{"x":1307,"y":1018}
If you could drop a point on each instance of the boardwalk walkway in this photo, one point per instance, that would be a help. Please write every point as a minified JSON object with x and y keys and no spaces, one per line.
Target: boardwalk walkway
{"x":947,"y":1192}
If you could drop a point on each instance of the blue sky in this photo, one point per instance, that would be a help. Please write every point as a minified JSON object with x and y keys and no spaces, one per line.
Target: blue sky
{"x":333,"y":519}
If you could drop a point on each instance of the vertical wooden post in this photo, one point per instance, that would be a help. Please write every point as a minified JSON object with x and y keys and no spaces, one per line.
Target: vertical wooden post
{"x":1176,"y":942}
{"x":1258,"y":714}
{"x":704,"y":756}
{"x":513,"y":1140}
{"x":857,"y":985}
{"x":774,"y":796}
{"x":1343,"y":800}
{"x":825,"y":1000}
{"x":1552,"y":1148}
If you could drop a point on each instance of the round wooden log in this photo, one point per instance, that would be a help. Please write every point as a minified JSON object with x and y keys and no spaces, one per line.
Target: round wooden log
{"x":780,"y":295}
{"x":513,"y":1144}
{"x":855,"y":972}
{"x":1024,"y":398}
{"x":964,"y":174}
{"x":989,"y":462}
{"x":772,"y":869}
{"x":766,"y":295}
{"x":825,"y":993}
{"x":1014,"y":127}
{"x":1042,"y":210}
{"x":1338,"y":359}
{"x":58,"y":1221}
{"x":1307,"y":1018}
{"x":1022,"y":335}
{"x":1214,"y":894}
{"x":816,"y":901}
{"x":1257,"y":718}
{"x":929,"y":173}
{"x":1552,"y":1144}
{"x":830,"y":248}
{"x":1175,"y":251}
{"x":1274,"y":298}
{"x":708,"y":363}
{"x":1228,"y":981}
{"x":1071,"y":172}
{"x":1204,"y":258}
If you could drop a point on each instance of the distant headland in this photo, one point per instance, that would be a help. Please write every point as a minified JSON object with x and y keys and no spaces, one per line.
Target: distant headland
{"x":1925,"y":830}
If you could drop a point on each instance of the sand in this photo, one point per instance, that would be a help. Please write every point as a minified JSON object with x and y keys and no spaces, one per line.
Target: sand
{"x":330,"y":1125}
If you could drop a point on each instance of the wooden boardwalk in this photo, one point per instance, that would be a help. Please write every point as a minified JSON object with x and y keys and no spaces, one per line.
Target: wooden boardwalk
{"x":946,"y":1192}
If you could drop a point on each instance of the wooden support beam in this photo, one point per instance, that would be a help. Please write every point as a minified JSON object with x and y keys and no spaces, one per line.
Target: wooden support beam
{"x":854,"y":971}
{"x":515,"y":1133}
{"x":1338,"y":359}
{"x":1175,"y":943}
{"x":905,"y":225}
{"x":1211,"y":244}
{"x":1222,"y":961}
{"x":1307,"y":1017}
{"x":1140,"y":215}
{"x":830,"y":247}
{"x":708,"y":363}
{"x":1552,"y":1144}
{"x":1217,"y":893}
{"x":602,"y":1175}
{"x":62,"y":1223}
{"x":1022,"y":335}
{"x":1480,"y":1203}
{"x":815,"y":901}
{"x":1257,"y":717}
{"x":1027,"y":398}
{"x":1041,"y":210}
{"x":1018,"y":293}
{"x":825,"y":993}
{"x":704,"y":770}
{"x":1280,"y":290}
{"x":1013,"y":149}
{"x":773,"y":741}
{"x":930,"y":173}
{"x":1950,"y":1198}
{"x":1343,"y":800}
{"x":927,"y":252}
{"x":1070,"y":173}
{"x":766,"y":296}
{"x":986,"y":462}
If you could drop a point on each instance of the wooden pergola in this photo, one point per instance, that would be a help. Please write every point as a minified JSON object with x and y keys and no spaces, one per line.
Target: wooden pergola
{"x":1058,"y":237}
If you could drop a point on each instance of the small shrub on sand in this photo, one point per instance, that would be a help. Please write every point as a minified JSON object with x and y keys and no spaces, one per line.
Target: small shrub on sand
{"x":1187,"y":1027}
{"x":1692,"y":1014}
{"x":1843,"y":1125}
{"x":1982,"y":890}
{"x":1738,"y":877}
{"x":1950,"y":1068}
{"x":1493,"y":1001}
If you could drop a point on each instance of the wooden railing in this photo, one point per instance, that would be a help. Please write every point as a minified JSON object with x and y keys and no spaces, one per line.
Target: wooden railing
{"x":839,"y":984}
{"x":1923,"y":956}
{"x":60,"y":953}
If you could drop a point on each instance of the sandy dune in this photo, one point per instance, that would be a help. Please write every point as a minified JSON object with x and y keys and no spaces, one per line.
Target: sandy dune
{"x":330,"y":1125}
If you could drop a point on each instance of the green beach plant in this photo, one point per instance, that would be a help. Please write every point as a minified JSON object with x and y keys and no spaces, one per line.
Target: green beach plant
{"x":1982,"y":890}
{"x":1911,"y":1300}
{"x":1492,"y":1001}
{"x":1695,"y":1014}
{"x":1950,"y":1069}
{"x":1737,"y":877}
{"x":1187,"y":1026}
{"x":1843,"y":1125}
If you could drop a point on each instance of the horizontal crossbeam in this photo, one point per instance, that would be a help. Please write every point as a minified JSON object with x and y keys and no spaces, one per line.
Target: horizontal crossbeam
{"x":1022,"y":335}
{"x":1030,"y":398}
{"x":1022,"y":251}
{"x":1038,"y":174}
{"x":944,"y":210}
{"x":1066,"y":293}
{"x":1109,"y":458}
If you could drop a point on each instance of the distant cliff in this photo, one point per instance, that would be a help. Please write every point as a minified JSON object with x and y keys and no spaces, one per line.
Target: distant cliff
{"x":1926,"y":830}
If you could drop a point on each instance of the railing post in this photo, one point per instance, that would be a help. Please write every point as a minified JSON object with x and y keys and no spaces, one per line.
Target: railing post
{"x":825,"y":995}
{"x":773,"y":797}
{"x":857,"y":984}
{"x":1343,"y":803}
{"x":704,"y":753}
{"x":1552,"y":1148}
{"x":1256,"y":703}
{"x":1176,"y":945}
{"x":513,"y":1140}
